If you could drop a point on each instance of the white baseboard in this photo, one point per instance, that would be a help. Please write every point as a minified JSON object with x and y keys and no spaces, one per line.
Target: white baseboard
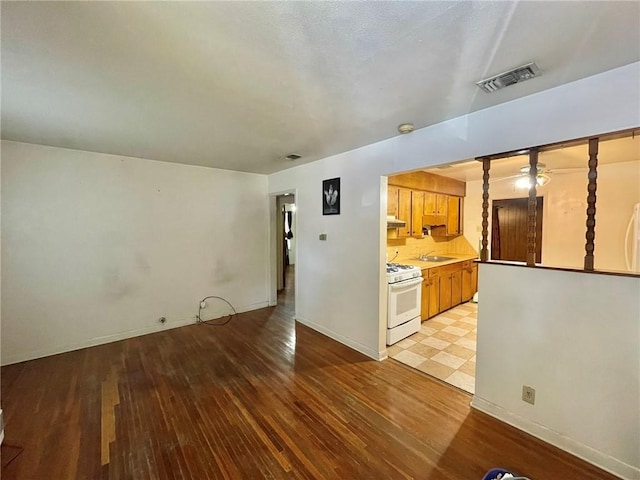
{"x":369,"y":352}
{"x":1,"y":426}
{"x":92,"y":342}
{"x":580,"y":450}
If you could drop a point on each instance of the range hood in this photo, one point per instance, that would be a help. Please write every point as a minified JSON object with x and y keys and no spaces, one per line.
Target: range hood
{"x":393,"y":222}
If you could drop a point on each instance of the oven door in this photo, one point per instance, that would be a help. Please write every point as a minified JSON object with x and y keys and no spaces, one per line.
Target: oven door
{"x":404,"y":301}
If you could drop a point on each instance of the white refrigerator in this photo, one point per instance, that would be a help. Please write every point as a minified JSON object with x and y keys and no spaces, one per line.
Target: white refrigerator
{"x":632,"y":241}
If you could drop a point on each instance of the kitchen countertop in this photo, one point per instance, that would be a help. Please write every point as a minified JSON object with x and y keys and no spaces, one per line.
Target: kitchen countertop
{"x":456,"y":258}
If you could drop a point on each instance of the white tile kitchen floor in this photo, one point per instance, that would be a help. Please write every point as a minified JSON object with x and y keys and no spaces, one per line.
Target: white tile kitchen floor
{"x":444,"y":348}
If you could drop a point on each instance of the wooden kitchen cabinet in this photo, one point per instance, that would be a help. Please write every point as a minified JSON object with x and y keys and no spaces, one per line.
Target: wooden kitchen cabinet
{"x":417,"y":207}
{"x":456,"y":287}
{"x":445,"y":212}
{"x":454,"y":215}
{"x":392,"y":200}
{"x":404,"y":211}
{"x":408,"y":205}
{"x":435,"y":203}
{"x":474,"y":278}
{"x":412,"y":205}
{"x":434,"y":294}
{"x":469,"y":280}
{"x":450,"y":286}
{"x":425,"y":295}
{"x":445,"y":291}
{"x":393,"y":194}
{"x":445,"y":288}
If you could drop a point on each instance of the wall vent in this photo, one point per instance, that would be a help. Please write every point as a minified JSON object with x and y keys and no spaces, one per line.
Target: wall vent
{"x":505,"y":79}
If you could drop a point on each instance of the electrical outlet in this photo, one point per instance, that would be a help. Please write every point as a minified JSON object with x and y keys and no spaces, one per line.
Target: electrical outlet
{"x":397,"y":250}
{"x":529,"y":394}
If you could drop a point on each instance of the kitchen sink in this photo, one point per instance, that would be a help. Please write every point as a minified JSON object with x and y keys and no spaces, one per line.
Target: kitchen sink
{"x":434,"y":258}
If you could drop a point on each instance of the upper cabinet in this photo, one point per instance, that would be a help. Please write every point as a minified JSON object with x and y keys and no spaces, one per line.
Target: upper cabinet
{"x":423,"y":199}
{"x":454,"y":215}
{"x":399,"y":206}
{"x":392,"y":200}
{"x":417,"y":209}
{"x":435,"y":204}
{"x":404,"y":211}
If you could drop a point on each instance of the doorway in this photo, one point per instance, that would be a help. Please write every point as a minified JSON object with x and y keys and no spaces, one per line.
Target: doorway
{"x":284,"y":230}
{"x":289,"y":242}
{"x":509,"y":229}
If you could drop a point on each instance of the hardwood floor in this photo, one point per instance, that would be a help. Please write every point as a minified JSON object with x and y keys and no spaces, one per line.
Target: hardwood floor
{"x":261,"y":397}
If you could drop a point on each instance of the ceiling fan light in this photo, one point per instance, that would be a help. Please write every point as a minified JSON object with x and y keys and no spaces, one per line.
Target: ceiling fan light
{"x":542,"y":179}
{"x":523,"y":182}
{"x":526,"y":168}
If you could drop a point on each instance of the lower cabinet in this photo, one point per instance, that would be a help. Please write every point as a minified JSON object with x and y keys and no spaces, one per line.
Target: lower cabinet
{"x":425,"y":295}
{"x":456,"y":286}
{"x":447,"y":286}
{"x":469,"y":280}
{"x":434,"y":291}
{"x":450,"y":286}
{"x":445,"y":291}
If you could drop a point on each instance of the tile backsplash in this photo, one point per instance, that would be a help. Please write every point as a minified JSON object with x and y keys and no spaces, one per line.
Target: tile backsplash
{"x":411,"y":248}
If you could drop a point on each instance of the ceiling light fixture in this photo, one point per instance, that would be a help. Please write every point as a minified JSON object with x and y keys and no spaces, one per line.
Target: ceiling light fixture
{"x":524,"y":181}
{"x":541,"y":168}
{"x":404,"y":128}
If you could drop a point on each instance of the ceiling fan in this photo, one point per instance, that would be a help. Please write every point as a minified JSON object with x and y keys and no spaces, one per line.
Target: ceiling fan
{"x":543,"y":177}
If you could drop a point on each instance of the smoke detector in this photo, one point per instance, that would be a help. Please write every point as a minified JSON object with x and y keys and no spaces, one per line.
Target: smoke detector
{"x":406,"y":128}
{"x":517,"y":75}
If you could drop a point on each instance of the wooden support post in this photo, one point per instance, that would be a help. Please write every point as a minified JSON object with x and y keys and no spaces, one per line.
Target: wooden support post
{"x":484,"y":252}
{"x":531,"y":214}
{"x":591,"y":203}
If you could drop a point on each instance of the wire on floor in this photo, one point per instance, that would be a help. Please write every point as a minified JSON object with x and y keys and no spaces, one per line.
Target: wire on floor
{"x":216,"y":320}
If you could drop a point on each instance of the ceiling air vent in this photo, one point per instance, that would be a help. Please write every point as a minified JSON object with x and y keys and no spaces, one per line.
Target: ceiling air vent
{"x":293,"y":157}
{"x":505,"y":79}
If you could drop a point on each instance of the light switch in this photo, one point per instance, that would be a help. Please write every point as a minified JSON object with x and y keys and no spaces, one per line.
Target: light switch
{"x":323,"y":236}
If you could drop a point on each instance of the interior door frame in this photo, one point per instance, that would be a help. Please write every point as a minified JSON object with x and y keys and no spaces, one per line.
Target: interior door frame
{"x":539,"y":226}
{"x":276,"y":240}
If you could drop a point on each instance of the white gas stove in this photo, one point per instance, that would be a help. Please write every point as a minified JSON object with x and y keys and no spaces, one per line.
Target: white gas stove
{"x":404,"y":301}
{"x":397,"y":272}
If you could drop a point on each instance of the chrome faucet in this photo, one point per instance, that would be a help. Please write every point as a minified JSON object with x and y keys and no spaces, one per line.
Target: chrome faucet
{"x":423,"y":256}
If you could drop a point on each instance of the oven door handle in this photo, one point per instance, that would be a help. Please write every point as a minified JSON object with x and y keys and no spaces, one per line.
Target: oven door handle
{"x":406,"y":283}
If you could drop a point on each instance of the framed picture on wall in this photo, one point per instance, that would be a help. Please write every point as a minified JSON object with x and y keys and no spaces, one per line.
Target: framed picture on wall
{"x":331,"y":196}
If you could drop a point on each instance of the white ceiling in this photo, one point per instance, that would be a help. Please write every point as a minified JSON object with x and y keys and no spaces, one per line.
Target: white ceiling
{"x":240,"y":85}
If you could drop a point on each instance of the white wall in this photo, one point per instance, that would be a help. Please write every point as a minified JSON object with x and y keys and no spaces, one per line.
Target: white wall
{"x":339,"y":282}
{"x":331,"y":296}
{"x":574,"y":337}
{"x":97,"y":247}
{"x":564,"y":214}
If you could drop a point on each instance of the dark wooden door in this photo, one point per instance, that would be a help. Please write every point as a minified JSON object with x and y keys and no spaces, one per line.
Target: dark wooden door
{"x":509,"y":230}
